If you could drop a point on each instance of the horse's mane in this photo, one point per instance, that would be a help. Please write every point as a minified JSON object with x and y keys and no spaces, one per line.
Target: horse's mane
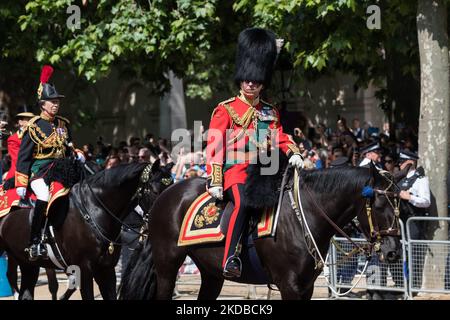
{"x":335,"y":179}
{"x":116,"y":176}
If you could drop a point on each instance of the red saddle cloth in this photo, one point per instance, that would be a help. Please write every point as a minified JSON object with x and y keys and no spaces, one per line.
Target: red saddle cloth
{"x":201,"y":223}
{"x":10,"y":200}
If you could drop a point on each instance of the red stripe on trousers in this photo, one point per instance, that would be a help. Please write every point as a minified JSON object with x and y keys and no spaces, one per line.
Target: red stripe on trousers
{"x":237,"y":204}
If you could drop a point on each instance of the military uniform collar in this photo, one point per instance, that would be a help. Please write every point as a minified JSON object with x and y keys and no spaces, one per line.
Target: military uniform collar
{"x":249,"y":102}
{"x":46,"y":117}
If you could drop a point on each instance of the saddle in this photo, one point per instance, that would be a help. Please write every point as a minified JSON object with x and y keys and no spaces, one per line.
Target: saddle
{"x":10,"y":201}
{"x":207,"y":220}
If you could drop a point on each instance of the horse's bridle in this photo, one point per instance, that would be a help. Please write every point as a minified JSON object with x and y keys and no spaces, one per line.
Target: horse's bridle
{"x":375,"y":235}
{"x":392,"y":197}
{"x":142,"y":190}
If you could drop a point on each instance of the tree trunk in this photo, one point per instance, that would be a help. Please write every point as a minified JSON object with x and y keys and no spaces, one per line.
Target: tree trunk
{"x":434,"y":123}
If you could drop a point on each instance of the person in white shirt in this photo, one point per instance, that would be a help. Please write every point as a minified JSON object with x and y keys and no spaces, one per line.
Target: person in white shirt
{"x":415,"y":201}
{"x":415,"y":186}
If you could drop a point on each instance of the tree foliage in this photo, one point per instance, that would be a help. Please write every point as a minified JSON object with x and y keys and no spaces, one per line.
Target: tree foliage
{"x":196,"y":39}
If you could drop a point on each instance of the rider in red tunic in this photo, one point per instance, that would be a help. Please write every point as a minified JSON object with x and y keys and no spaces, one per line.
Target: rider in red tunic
{"x":14,"y":140}
{"x":241,"y":128}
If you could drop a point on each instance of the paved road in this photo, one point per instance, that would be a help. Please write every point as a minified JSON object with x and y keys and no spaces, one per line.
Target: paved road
{"x":189,"y":285}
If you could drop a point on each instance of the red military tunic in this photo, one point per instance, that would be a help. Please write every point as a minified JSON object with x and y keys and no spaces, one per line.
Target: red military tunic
{"x":13,"y":151}
{"x":231,"y":138}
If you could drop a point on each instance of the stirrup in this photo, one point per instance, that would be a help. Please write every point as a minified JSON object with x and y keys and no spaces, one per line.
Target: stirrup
{"x":36,"y":251}
{"x":32,"y":252}
{"x":233,"y":267}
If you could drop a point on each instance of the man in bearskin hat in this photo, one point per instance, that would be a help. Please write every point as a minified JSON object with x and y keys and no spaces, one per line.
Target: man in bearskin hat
{"x":22,"y":117}
{"x":235,"y":129}
{"x":46,"y":139}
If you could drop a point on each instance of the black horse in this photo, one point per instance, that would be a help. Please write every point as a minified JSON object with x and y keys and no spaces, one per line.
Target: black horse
{"x":285,"y":258}
{"x":88,"y":237}
{"x":89,"y":168}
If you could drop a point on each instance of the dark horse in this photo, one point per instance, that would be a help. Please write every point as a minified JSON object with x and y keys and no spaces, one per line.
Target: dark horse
{"x":87,"y":237}
{"x":285,"y":258}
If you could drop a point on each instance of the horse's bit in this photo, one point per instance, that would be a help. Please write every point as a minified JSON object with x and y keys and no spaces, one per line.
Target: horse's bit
{"x":394,"y":229}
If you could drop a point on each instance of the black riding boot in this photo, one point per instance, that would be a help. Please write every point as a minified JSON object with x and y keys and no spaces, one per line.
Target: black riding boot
{"x":233,"y":264}
{"x":37,"y":249}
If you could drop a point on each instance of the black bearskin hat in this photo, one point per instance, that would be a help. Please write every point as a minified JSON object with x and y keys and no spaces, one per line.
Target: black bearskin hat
{"x":255,"y":57}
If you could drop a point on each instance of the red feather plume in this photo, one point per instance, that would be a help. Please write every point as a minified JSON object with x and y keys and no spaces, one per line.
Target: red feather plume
{"x":46,"y":73}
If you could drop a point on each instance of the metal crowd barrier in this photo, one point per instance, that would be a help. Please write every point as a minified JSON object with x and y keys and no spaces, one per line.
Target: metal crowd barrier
{"x":348,"y":272}
{"x":407,"y":277}
{"x":428,"y":260}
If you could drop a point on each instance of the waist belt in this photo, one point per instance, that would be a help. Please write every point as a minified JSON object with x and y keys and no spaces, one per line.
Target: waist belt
{"x":235,"y":157}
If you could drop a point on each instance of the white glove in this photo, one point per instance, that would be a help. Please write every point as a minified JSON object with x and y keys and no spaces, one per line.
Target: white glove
{"x":296,"y":160}
{"x":21,"y":192}
{"x":216,"y":192}
{"x":80,"y":157}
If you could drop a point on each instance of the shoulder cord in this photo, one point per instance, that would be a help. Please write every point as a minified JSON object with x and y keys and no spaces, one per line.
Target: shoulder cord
{"x":250,"y":116}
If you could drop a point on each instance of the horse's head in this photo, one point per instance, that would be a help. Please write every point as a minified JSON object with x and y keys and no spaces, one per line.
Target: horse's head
{"x":154,"y":180}
{"x":380,"y":219}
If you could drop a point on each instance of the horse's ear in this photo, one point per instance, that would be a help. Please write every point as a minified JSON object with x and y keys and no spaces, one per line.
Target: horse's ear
{"x":169,"y":166}
{"x":372,"y":169}
{"x":156,"y":165}
{"x":374,"y":173}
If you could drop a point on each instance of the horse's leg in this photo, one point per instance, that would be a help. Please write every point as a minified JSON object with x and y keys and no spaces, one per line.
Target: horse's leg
{"x":67,"y":294}
{"x":165,"y":283}
{"x":11,"y":274}
{"x":297,"y":284}
{"x":52,"y":282}
{"x":86,"y":285}
{"x":106,"y":280}
{"x":210,"y":287}
{"x":167,"y":271}
{"x":307,"y":293}
{"x":29,"y":277}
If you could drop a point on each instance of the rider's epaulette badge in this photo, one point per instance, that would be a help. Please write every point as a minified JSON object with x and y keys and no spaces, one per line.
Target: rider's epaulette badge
{"x":228,"y":100}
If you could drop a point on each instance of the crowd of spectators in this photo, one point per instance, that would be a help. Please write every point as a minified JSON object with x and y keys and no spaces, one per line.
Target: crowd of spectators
{"x":322,"y":145}
{"x":319,"y":147}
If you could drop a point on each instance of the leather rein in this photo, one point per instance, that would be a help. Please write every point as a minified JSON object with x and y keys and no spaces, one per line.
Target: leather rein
{"x":142,"y":190}
{"x":375,"y":235}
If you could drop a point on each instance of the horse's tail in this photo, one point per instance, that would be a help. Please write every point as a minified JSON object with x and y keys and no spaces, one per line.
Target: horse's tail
{"x":139,"y":278}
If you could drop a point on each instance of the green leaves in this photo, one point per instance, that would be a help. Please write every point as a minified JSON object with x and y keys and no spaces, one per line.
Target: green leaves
{"x":196,"y":38}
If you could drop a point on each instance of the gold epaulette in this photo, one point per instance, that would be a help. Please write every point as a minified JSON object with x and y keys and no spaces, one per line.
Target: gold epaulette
{"x":32,"y":121}
{"x":223,"y":103}
{"x":227,"y":101}
{"x":64,"y":119}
